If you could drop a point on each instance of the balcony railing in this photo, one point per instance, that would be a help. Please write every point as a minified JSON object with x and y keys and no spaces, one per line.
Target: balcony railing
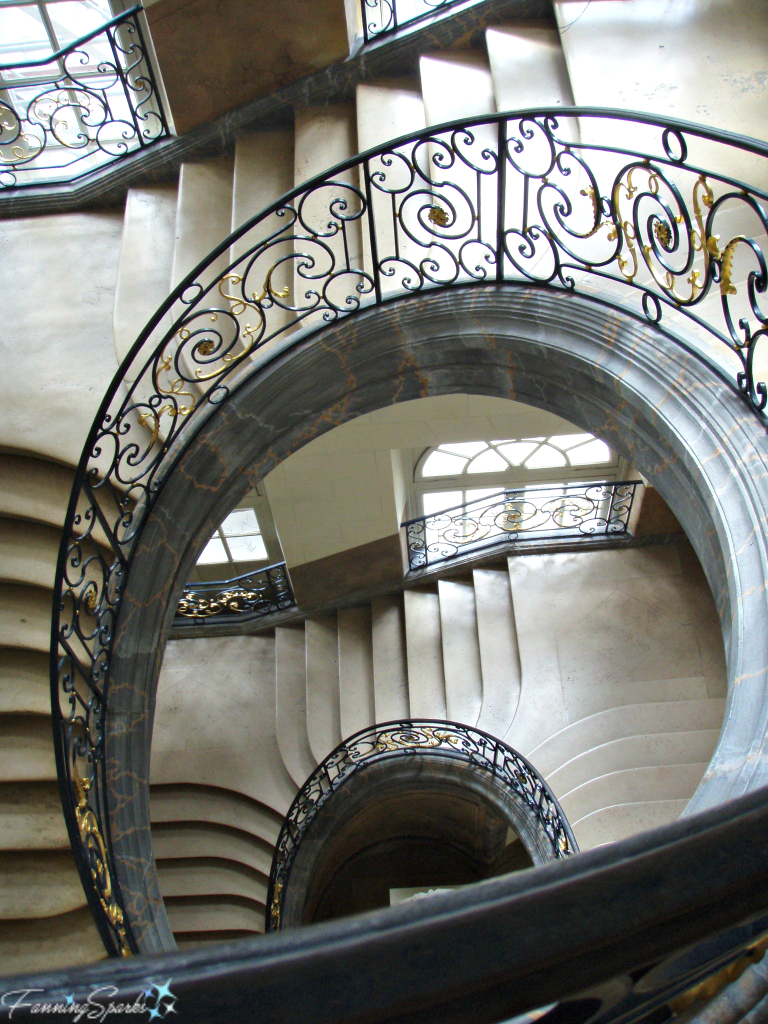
{"x":640,"y":214}
{"x":383,"y":16}
{"x":87,"y":105}
{"x":537,"y":513}
{"x":396,"y":740}
{"x":249,"y":596}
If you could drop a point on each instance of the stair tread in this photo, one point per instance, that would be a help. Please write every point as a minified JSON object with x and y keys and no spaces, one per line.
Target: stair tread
{"x":461,"y":652}
{"x":356,"y":695}
{"x":426,"y":681}
{"x":322,"y":681}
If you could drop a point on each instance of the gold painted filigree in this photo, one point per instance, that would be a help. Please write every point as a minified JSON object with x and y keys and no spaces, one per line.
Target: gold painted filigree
{"x":93,"y":843}
{"x":438,"y":216}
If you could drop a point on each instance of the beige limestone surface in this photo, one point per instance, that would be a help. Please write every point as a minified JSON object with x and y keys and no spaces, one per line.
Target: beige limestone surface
{"x":57,"y":279}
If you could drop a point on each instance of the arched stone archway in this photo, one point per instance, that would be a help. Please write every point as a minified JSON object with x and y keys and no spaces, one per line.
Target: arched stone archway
{"x":696,"y":441}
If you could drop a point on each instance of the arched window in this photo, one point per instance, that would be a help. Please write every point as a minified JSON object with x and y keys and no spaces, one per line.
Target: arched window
{"x":453,"y":474}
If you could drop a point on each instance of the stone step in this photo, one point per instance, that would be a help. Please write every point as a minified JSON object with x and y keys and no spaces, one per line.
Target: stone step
{"x":26,"y":749}
{"x":390,"y":667}
{"x":218,"y":806}
{"x":629,"y":752}
{"x":356,"y":692}
{"x":203,"y":215}
{"x":39,"y":885}
{"x":211,"y":914}
{"x":291,"y":705}
{"x":528,"y":67}
{"x":322,"y":681}
{"x":386,"y":110}
{"x":461,"y":652}
{"x":499,"y":654}
{"x":211,"y":876}
{"x":31,"y":818}
{"x":193,"y":840}
{"x":144,"y":271}
{"x":610,"y":824}
{"x":629,"y":720}
{"x":28,"y":552}
{"x":263,"y":171}
{"x":25,"y":617}
{"x":456,"y":85}
{"x":50,"y":943}
{"x":25,"y":685}
{"x":324,"y":136}
{"x":34,"y":489}
{"x":424,"y":646}
{"x":633,"y":785}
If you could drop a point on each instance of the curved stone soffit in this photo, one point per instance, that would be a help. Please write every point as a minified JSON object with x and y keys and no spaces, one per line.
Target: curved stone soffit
{"x":694,"y":438}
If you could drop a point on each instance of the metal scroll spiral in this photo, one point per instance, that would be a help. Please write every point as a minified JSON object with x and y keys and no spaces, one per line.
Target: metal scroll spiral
{"x":98,"y":102}
{"x":395,"y":740}
{"x":554,"y":199}
{"x":383,"y":16}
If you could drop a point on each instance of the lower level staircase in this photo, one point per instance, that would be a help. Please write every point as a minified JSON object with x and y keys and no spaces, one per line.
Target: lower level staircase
{"x":242,"y":721}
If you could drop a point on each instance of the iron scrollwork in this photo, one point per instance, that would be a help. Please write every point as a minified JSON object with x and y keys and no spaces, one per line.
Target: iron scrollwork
{"x":250,"y":596}
{"x":598,"y":202}
{"x":533,"y":513}
{"x":395,"y":740}
{"x":87,"y":105}
{"x":381,"y":17}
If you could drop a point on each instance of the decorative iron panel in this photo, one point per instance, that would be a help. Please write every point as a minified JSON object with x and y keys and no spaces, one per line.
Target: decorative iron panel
{"x":244,"y":597}
{"x":535,"y":513}
{"x":602,"y":203}
{"x":381,"y":17}
{"x":86,"y":106}
{"x":396,"y":740}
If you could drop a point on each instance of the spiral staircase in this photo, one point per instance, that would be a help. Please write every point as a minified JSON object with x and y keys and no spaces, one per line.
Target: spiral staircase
{"x":222,"y":780}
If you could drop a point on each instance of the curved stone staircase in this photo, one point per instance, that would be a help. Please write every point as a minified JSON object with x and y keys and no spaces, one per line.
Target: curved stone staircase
{"x":241,"y":722}
{"x":44,"y":919}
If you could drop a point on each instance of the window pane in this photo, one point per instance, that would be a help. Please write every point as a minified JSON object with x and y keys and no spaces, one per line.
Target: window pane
{"x":73,"y":19}
{"x":441,"y":464}
{"x":518,"y":451}
{"x":247,"y":549}
{"x":567,"y":441}
{"x":438,"y":501}
{"x":478,"y":493}
{"x":22,"y":37}
{"x":239,"y":522}
{"x":213,"y":552}
{"x":590,"y":454}
{"x":489,"y":462}
{"x":468,"y":448}
{"x":546,"y":457}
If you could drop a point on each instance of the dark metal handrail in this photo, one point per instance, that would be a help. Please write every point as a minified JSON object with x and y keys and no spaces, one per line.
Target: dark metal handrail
{"x":537,"y":512}
{"x":506,"y":199}
{"x":380,"y":17}
{"x":81,"y":114}
{"x":393,"y":741}
{"x":251,"y":595}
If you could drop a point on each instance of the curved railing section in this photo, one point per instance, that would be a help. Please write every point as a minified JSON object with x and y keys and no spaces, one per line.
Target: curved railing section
{"x":380,"y":17}
{"x":642,"y":214}
{"x":85,"y":106}
{"x":250,"y":596}
{"x":393,"y":741}
{"x":542,"y":513}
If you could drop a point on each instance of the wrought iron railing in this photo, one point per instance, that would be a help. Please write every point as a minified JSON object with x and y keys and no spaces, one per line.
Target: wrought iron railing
{"x":536,"y":513}
{"x":383,"y":16}
{"x":85,"y":106}
{"x":249,"y":596}
{"x":599,"y":202}
{"x":393,"y":741}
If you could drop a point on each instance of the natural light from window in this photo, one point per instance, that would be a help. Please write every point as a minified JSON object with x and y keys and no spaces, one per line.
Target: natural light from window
{"x":238,"y":539}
